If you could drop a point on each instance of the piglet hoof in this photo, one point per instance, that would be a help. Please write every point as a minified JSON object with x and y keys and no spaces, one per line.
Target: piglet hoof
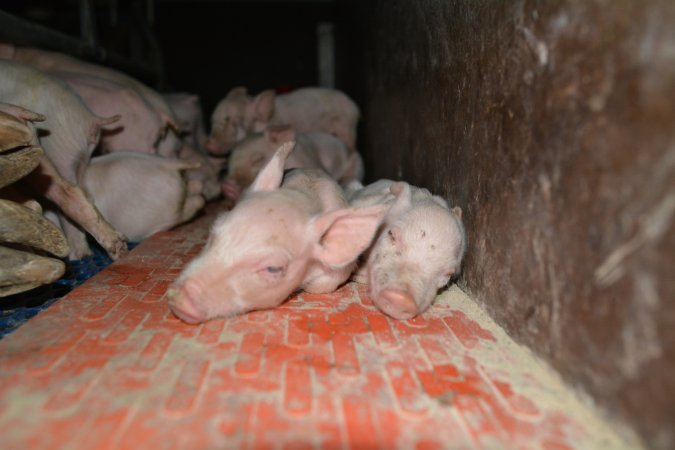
{"x":116,"y":247}
{"x":120,"y":249}
{"x":396,"y":303}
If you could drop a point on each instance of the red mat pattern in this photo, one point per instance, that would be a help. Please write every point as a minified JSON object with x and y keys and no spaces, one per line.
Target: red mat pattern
{"x":109,"y":366}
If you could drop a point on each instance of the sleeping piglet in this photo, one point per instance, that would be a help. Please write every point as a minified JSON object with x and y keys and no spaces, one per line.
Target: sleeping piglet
{"x":418,"y":249}
{"x":141,"y":194}
{"x":279,"y":238}
{"x":239,"y":115}
{"x":313,"y":150}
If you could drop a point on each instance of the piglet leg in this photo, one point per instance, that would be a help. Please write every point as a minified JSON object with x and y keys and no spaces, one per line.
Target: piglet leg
{"x":77,"y":239}
{"x":75,"y":204}
{"x":194,"y":200}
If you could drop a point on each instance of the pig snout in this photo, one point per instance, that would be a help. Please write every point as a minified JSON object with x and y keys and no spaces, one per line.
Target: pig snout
{"x":397,"y":303}
{"x":231,"y":190}
{"x":183,"y":302}
{"x":214,"y":147}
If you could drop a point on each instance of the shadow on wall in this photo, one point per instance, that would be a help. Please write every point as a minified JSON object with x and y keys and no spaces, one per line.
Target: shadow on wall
{"x":551,"y":125}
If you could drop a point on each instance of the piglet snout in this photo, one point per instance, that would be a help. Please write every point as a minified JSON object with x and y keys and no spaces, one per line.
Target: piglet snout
{"x":397,"y":303}
{"x":231,"y":190}
{"x":214,"y":148}
{"x":183,"y":302}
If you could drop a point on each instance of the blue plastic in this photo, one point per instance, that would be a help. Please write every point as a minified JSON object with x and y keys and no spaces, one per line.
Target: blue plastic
{"x":16,"y":309}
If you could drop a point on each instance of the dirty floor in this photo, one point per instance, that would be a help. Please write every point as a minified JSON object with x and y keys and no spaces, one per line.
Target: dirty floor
{"x":109,"y":367}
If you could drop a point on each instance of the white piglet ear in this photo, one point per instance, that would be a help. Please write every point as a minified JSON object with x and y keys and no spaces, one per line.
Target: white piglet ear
{"x":263,"y":105}
{"x":272,"y":174}
{"x":403,"y":197}
{"x":341,"y":236}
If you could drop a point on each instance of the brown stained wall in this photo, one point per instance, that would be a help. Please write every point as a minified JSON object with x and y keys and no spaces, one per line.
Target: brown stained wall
{"x":552,"y":124}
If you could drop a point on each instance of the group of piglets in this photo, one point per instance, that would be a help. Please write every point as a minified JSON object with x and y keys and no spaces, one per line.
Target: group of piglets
{"x":122,"y":161}
{"x":248,"y":129}
{"x":298,"y":229}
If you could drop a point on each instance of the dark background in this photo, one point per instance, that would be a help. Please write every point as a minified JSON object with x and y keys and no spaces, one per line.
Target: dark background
{"x":213,"y":47}
{"x":207,"y":47}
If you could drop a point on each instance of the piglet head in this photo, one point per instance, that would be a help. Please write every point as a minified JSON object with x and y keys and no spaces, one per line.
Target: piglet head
{"x":244,"y":257}
{"x":228,"y":122}
{"x":250,"y":262}
{"x":416,"y":253}
{"x":261,"y":251}
{"x":249,"y":157}
{"x":259,"y":110}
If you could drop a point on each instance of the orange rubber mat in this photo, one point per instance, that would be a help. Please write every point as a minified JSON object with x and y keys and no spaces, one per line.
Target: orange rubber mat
{"x":109,"y":366}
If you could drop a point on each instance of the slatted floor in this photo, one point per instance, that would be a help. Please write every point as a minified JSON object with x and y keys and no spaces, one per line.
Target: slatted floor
{"x":108,"y":366}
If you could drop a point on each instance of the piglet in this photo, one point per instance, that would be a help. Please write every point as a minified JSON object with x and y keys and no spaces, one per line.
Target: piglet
{"x":279,"y":237}
{"x":68,"y":134}
{"x":54,"y":62}
{"x":312,"y":151}
{"x":418,"y":249}
{"x":207,"y":170}
{"x":308,"y":109}
{"x":187,"y":109}
{"x":142,"y":194}
{"x":188,"y":112}
{"x":140,"y":128}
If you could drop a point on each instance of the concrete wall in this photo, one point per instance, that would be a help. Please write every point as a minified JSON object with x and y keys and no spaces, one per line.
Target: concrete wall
{"x":552,"y":124}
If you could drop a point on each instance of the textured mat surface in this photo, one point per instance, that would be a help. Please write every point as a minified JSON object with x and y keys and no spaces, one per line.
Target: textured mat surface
{"x":108,"y":366}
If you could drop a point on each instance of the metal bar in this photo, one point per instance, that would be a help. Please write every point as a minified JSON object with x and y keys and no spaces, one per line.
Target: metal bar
{"x":150,"y":12}
{"x":326,"y":54}
{"x":24,"y":32}
{"x":113,"y":12}
{"x":87,"y":23}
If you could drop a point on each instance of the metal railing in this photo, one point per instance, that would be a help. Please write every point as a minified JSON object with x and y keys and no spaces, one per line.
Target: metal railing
{"x":24,"y":32}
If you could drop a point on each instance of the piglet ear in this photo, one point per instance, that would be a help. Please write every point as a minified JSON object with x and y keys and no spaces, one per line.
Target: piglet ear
{"x":272,"y":174}
{"x":403,"y":195}
{"x":23,"y":114}
{"x":237,"y":92}
{"x":105,"y":121}
{"x":100,"y":122}
{"x":339,"y":237}
{"x":170,"y":123}
{"x":279,"y":135}
{"x":263,"y":105}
